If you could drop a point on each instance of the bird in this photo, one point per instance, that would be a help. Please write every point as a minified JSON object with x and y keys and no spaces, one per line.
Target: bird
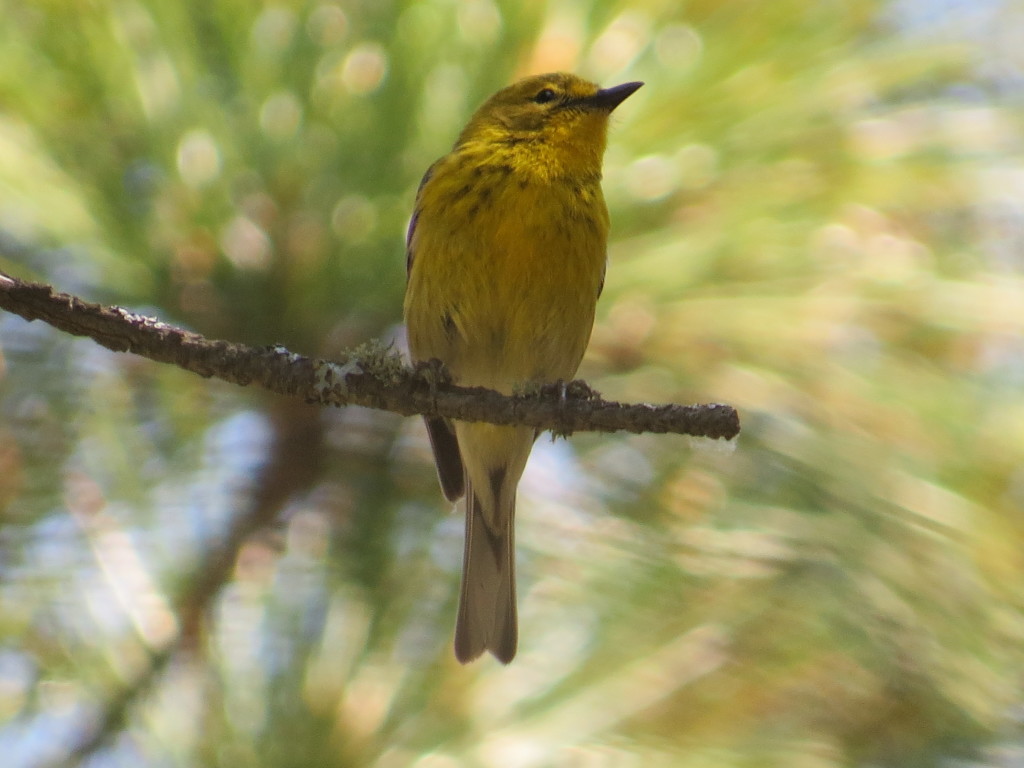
{"x":506,"y":258}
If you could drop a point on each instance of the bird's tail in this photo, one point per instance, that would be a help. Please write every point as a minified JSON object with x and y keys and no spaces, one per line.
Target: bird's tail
{"x":487,"y":605}
{"x":493,"y":458}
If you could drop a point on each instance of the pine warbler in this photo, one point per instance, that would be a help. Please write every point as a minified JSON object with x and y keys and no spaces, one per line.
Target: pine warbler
{"x":506,"y":260}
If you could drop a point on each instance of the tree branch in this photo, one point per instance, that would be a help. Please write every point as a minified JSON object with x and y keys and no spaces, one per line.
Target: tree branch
{"x":371,"y":376}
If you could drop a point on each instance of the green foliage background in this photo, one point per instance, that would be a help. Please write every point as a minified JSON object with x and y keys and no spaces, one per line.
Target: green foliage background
{"x":817,"y":218}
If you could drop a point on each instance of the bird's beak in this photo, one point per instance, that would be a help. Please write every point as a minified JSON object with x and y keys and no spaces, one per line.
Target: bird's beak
{"x":609,"y":98}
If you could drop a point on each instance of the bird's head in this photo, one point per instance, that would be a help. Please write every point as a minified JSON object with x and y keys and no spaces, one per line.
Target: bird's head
{"x":559,"y":116}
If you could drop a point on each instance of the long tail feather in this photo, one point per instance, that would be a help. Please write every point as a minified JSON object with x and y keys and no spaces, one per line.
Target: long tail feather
{"x":487,"y":605}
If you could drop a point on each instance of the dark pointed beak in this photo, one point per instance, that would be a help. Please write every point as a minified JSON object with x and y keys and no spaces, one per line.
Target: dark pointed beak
{"x":609,"y":98}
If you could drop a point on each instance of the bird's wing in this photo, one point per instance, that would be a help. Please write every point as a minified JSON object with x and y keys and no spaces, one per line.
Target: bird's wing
{"x":414,"y":219}
{"x":442,"y":434}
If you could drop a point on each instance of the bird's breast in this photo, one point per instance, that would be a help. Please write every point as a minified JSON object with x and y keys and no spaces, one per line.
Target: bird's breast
{"x":507,"y":267}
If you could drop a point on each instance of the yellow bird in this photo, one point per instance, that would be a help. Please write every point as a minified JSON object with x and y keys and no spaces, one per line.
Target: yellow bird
{"x":506,"y":260}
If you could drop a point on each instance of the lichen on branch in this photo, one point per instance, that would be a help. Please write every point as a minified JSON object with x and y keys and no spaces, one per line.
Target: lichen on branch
{"x":371,"y":375}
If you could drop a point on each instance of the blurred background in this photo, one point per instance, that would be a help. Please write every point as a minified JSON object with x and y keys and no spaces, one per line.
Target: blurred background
{"x":818,"y":217}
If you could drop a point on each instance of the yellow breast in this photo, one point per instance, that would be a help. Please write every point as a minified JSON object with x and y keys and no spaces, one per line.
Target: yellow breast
{"x":506,"y":269}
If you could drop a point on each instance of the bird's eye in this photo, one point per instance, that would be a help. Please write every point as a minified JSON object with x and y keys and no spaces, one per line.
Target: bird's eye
{"x":544,"y":96}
